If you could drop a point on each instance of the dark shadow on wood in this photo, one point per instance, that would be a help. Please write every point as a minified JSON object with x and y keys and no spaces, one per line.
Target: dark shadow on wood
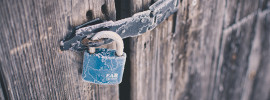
{"x":125,"y":87}
{"x":123,"y":11}
{"x":3,"y":89}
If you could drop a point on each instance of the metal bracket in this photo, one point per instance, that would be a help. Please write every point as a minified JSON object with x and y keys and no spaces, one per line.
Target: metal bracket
{"x":139,"y":23}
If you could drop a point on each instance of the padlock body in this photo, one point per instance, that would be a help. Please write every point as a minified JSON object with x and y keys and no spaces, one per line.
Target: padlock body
{"x":103,"y":67}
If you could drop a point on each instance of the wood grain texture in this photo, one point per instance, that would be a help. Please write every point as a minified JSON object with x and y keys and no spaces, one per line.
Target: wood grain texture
{"x":224,"y":67}
{"x":219,"y":51}
{"x":156,"y":61}
{"x":32,"y":65}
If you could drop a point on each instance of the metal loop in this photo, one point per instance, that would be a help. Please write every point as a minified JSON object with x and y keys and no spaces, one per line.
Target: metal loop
{"x":111,"y":35}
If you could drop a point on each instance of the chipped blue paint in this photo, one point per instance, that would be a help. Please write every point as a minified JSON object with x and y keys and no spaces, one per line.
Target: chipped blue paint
{"x":103,"y":67}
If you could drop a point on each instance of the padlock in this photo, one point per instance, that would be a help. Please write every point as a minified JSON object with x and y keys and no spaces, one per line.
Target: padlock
{"x":104,"y":66}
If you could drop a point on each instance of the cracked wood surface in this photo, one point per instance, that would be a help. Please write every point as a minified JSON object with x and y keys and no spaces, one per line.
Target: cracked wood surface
{"x":32,"y":65}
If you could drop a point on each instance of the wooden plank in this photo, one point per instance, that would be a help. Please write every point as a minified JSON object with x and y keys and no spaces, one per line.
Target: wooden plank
{"x":202,"y":46}
{"x":32,"y":65}
{"x":224,"y":66}
{"x":238,"y":63}
{"x":212,"y":55}
{"x":153,"y":61}
{"x":150,"y":69}
{"x":259,"y":60}
{"x":235,"y":51}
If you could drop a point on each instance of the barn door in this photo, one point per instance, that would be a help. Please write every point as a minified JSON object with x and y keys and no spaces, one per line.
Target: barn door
{"x":208,"y":50}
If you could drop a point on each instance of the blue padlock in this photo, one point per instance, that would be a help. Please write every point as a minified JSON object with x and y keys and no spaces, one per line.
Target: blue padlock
{"x":104,"y":66}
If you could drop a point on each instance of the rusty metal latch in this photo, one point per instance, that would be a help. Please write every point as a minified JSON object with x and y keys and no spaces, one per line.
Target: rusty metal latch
{"x":139,"y":23}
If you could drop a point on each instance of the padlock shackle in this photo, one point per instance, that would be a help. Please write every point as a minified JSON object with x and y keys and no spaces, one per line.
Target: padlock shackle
{"x":114,"y":36}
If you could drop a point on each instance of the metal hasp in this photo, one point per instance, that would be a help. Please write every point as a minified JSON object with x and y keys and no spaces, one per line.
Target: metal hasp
{"x":129,"y":27}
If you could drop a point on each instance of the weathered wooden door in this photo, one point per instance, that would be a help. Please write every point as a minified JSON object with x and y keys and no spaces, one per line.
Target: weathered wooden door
{"x":208,"y":50}
{"x":32,"y":65}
